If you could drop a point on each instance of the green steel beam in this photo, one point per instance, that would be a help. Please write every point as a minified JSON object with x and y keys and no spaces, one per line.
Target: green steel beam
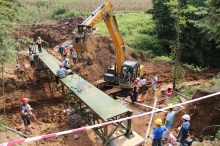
{"x":78,"y":92}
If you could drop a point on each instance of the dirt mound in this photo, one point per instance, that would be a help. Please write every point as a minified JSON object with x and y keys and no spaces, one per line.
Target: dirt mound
{"x":54,"y":34}
{"x":204,"y":114}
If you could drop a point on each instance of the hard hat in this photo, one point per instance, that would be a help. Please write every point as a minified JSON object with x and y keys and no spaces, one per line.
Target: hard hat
{"x":39,"y":37}
{"x":170,"y":86}
{"x":24,"y":100}
{"x":138,"y":78}
{"x":67,"y":59}
{"x":169,"y":105}
{"x":186,"y":117}
{"x":60,"y":65}
{"x":136,"y":81}
{"x":159,"y":122}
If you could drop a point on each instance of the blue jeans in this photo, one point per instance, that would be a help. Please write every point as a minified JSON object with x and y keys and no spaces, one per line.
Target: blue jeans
{"x":134,"y":97}
{"x":182,"y":141}
{"x":157,"y":142}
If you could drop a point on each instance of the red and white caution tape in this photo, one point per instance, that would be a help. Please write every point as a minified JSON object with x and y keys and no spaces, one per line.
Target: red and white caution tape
{"x":101,"y":125}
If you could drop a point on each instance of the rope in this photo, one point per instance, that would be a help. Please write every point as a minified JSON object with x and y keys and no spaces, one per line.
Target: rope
{"x":102,"y":124}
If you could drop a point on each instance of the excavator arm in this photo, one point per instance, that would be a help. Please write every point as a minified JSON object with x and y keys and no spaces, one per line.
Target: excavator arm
{"x":84,"y":41}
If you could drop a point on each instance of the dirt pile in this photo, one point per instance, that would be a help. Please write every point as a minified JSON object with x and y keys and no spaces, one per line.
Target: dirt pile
{"x":204,"y":114}
{"x":54,"y":34}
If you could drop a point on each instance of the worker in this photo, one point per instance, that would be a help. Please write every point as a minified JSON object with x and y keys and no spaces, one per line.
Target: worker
{"x":169,"y":122}
{"x":65,"y":52}
{"x":127,"y":76}
{"x":39,"y":43}
{"x":61,"y":73}
{"x":73,"y":54}
{"x":154,"y":83}
{"x":24,"y":114}
{"x":168,"y":94}
{"x":66,"y":63}
{"x":138,"y":84}
{"x":31,"y":58}
{"x":32,"y":116}
{"x":143,"y":83}
{"x":134,"y":93}
{"x":184,"y":129}
{"x":157,"y":133}
{"x":61,"y":48}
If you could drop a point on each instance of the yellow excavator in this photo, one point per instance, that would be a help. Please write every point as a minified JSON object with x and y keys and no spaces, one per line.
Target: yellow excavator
{"x":121,"y":75}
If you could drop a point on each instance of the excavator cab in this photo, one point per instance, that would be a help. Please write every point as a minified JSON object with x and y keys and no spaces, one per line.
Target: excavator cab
{"x":130,"y":70}
{"x":84,"y":40}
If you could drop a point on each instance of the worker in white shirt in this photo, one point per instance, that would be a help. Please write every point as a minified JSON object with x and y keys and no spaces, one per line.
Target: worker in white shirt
{"x":143,"y":83}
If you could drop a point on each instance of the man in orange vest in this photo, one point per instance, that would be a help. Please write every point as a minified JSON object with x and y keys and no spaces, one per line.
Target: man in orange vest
{"x":39,"y":43}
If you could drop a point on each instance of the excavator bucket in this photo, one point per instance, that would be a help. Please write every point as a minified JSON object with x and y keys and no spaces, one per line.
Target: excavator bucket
{"x":84,"y":42}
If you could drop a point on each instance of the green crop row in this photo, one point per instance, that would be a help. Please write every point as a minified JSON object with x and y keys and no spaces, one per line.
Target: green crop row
{"x":41,"y":10}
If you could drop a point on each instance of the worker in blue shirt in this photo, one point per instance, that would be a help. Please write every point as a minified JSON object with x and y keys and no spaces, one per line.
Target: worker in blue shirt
{"x":61,"y":73}
{"x":169,"y":122}
{"x":158,"y":133}
{"x":184,"y":129}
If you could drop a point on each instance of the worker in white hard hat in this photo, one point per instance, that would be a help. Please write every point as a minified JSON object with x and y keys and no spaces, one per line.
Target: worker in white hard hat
{"x":184,"y":129}
{"x":66,"y":63}
{"x":157,"y":133}
{"x":138,"y":84}
{"x":39,"y":43}
{"x":169,"y":122}
{"x":143,"y":83}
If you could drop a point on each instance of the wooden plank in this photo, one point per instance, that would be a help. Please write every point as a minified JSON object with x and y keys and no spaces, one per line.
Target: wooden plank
{"x":137,"y":140}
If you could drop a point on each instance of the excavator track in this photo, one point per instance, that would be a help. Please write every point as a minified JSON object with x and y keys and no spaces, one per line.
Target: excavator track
{"x":100,"y":84}
{"x":114,"y":91}
{"x":118,"y":91}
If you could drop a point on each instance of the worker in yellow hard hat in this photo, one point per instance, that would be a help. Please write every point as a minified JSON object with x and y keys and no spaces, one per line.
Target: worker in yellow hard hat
{"x":169,"y":121}
{"x":157,"y":133}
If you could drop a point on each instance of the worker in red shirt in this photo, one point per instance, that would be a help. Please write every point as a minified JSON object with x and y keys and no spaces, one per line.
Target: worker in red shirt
{"x":168,"y":94}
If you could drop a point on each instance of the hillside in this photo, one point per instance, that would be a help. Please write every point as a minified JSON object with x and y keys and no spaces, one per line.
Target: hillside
{"x":48,"y":103}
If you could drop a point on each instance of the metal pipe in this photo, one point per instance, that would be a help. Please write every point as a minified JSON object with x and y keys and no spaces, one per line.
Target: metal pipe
{"x":149,"y":124}
{"x":149,"y":107}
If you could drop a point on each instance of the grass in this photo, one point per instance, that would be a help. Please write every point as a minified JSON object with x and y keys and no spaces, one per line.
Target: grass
{"x":189,"y":91}
{"x":137,"y":29}
{"x":163,"y":59}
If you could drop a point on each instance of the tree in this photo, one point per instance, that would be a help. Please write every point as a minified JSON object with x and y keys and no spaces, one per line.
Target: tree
{"x":9,"y":11}
{"x":211,"y":21}
{"x":165,"y":22}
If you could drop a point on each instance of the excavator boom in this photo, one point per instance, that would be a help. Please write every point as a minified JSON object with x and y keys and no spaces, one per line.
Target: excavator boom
{"x":84,"y":41}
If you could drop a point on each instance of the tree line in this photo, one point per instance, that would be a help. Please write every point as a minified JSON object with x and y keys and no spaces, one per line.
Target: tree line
{"x":199,"y":24}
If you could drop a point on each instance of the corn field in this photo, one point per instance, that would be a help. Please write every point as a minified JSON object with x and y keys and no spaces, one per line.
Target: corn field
{"x":135,"y":5}
{"x":42,"y":10}
{"x":90,"y":5}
